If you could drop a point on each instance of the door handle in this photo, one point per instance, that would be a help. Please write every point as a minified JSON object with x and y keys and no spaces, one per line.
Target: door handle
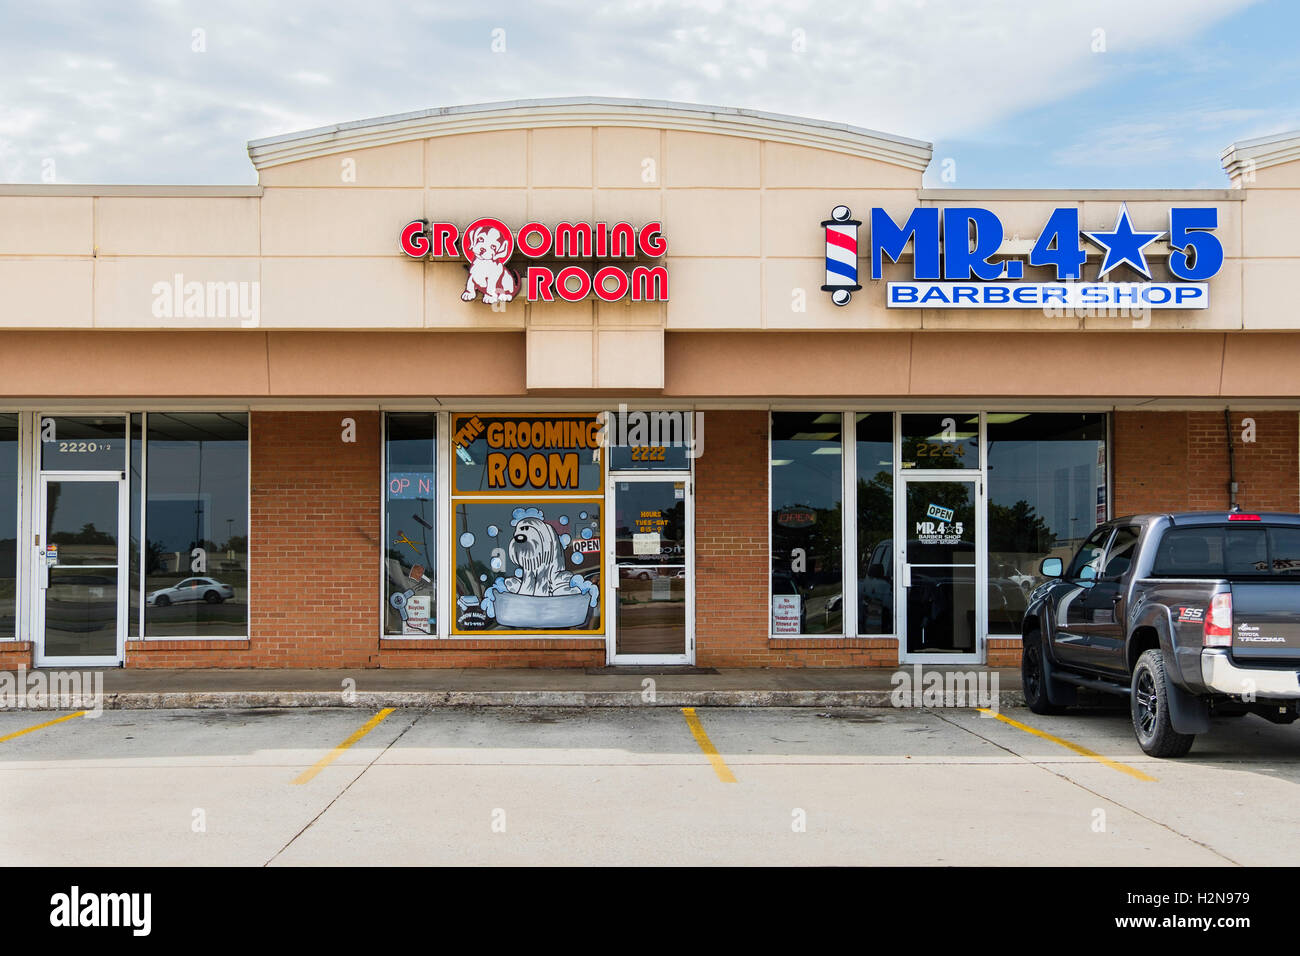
{"x":907,"y":575}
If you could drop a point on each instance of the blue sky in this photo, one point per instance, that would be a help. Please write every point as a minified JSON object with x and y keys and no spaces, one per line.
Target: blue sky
{"x":1016,"y":93}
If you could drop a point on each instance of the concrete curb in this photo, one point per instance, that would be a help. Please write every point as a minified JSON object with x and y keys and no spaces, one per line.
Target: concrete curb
{"x":249,"y":700}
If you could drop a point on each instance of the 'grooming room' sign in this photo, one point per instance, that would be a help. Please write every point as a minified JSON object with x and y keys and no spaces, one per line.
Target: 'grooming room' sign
{"x":510,"y":454}
{"x":567,"y":259}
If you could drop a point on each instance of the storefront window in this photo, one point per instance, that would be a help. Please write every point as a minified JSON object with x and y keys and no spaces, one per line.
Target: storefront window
{"x":875,"y":532}
{"x":8,"y":524}
{"x":807,"y":521}
{"x":410,"y":520}
{"x":1046,"y":493}
{"x":942,"y":441}
{"x":133,"y":528}
{"x":527,"y":523}
{"x":196,"y":525}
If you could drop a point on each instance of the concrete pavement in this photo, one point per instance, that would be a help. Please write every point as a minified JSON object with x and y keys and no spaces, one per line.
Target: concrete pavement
{"x":539,"y":786}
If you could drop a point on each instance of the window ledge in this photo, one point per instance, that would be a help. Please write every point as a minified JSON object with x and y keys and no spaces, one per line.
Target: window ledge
{"x":821,"y":641}
{"x":491,"y":644}
{"x":188,"y":644}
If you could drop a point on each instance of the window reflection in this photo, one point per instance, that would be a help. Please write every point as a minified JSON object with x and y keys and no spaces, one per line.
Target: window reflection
{"x":875,"y":532}
{"x":807,"y":523}
{"x":410,"y":571}
{"x":1046,"y":493}
{"x":196,"y":525}
{"x":8,"y":524}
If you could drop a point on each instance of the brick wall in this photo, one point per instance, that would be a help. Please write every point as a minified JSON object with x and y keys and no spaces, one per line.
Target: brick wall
{"x":732,"y":561}
{"x":1178,"y":461}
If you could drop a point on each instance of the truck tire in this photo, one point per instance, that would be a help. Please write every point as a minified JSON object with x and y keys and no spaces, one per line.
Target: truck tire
{"x":1033,"y":678}
{"x":1149,"y":705}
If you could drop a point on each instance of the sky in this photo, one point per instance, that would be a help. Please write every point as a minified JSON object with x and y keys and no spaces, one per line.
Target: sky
{"x":1012,"y":93}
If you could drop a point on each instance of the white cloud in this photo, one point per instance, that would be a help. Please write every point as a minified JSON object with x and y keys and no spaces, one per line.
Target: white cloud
{"x":118,"y":94}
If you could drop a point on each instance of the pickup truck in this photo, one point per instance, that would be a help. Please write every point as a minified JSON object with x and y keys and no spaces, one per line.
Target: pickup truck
{"x":1188,"y":615}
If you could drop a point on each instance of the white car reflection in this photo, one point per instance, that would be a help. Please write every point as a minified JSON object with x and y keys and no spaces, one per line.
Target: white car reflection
{"x":206,"y":590}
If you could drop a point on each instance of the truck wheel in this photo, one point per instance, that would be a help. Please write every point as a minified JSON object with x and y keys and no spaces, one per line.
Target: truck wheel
{"x":1033,"y":679}
{"x":1150,"y":708}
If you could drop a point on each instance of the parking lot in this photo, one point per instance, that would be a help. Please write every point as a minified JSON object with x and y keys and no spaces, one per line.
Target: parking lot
{"x":653,"y":785}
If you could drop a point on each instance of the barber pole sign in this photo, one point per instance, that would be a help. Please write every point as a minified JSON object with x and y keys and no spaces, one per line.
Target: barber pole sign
{"x":841,"y":255}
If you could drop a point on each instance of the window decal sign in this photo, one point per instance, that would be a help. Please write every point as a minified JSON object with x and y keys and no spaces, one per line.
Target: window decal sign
{"x":940,"y":512}
{"x":570,"y":259}
{"x":521,"y":567}
{"x":958,"y":262}
{"x":509,"y":454}
{"x":527,"y":496}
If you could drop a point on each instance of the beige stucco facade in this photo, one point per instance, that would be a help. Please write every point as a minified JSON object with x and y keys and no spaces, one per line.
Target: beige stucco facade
{"x":313,"y":249}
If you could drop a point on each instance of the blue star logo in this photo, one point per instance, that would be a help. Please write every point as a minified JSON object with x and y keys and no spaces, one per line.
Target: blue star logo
{"x":1123,"y":244}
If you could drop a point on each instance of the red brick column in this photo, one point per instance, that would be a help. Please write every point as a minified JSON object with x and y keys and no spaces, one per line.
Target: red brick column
{"x":1268,"y":470}
{"x":1150,"y":462}
{"x":1178,"y":461}
{"x":731,"y":543}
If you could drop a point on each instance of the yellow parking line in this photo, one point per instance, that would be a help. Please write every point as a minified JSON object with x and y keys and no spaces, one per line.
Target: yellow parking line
{"x":334,"y":754}
{"x":697,"y":731}
{"x":48,"y":723}
{"x":1081,"y":751}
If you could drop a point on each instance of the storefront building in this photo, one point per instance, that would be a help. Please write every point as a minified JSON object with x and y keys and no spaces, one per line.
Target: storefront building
{"x":570,"y":383}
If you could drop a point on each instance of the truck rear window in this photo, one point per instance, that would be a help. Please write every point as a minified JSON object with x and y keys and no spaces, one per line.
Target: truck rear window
{"x":1228,"y":551}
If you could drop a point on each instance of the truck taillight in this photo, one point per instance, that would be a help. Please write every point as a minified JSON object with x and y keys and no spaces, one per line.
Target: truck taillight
{"x":1218,"y":623}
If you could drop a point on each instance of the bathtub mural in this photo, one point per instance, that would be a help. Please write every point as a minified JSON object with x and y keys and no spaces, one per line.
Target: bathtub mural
{"x":526,"y":567}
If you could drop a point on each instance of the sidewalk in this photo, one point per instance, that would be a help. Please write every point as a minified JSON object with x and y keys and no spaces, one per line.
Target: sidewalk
{"x":523,"y":687}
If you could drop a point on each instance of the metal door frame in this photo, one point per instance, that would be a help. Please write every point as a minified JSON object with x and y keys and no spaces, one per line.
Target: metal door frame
{"x":901,"y":537}
{"x":612,"y":657}
{"x":40,"y":579}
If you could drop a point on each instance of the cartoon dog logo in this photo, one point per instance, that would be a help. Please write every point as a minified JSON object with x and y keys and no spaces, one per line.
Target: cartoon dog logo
{"x":488,"y":245}
{"x":535,"y":548}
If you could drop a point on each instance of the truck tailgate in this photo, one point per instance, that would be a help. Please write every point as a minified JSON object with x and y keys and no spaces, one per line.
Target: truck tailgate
{"x":1266,"y":620}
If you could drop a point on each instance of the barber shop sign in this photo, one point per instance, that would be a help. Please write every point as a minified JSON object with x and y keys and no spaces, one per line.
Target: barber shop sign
{"x":569,"y":260}
{"x":961,"y":259}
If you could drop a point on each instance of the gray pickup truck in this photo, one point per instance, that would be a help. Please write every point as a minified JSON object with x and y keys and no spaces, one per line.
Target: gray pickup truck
{"x":1188,"y":615}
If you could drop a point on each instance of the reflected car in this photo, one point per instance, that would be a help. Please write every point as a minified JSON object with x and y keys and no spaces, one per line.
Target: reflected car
{"x":207,"y":590}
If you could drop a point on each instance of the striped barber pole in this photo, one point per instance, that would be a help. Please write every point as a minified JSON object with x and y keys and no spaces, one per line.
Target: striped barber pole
{"x":841,"y":255}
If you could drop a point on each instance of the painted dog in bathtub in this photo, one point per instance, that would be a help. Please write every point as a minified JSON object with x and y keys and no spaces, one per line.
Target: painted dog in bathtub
{"x":536,"y":550}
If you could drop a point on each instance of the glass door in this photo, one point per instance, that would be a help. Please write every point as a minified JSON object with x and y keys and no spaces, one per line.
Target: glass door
{"x":651,"y":570}
{"x":941,"y":564}
{"x":80,"y":602}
